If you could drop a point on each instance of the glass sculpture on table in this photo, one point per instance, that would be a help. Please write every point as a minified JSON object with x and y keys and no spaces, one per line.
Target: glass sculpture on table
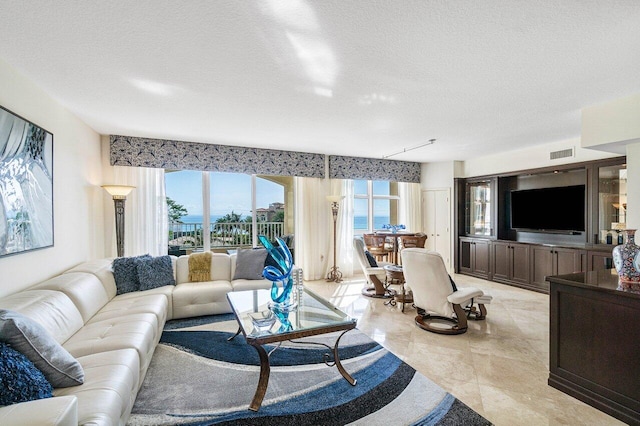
{"x":281,"y":295}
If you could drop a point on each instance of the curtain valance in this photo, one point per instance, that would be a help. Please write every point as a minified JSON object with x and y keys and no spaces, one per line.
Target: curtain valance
{"x":374,"y":169}
{"x":179,"y":155}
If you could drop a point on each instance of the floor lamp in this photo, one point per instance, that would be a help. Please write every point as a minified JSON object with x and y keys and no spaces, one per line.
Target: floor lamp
{"x":119,"y":194}
{"x":334,"y":274}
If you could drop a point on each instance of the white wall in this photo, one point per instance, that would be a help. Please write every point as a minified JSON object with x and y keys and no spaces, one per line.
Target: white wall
{"x":615,"y":127}
{"x":440,"y":175}
{"x":612,"y":125}
{"x":77,"y":174}
{"x":437,"y":175}
{"x":633,"y":187}
{"x":530,"y":158}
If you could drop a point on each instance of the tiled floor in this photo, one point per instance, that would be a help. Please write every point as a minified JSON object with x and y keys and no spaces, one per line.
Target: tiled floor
{"x":499,"y":367}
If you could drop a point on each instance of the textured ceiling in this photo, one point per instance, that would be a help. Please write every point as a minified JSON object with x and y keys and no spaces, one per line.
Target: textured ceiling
{"x":364,"y":78}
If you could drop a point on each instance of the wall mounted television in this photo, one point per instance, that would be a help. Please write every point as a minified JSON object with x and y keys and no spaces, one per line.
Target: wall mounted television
{"x":554,"y":210}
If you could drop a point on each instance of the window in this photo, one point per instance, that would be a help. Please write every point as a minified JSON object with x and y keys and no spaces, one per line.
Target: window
{"x":184,"y":202}
{"x":233,"y":200}
{"x":375,"y":204}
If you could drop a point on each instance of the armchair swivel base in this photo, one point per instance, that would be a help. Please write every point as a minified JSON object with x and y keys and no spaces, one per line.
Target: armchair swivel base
{"x":450,"y":325}
{"x":375,"y":291}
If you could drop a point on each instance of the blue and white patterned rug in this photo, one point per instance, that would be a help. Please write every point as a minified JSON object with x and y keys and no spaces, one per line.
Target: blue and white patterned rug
{"x":197,"y":377}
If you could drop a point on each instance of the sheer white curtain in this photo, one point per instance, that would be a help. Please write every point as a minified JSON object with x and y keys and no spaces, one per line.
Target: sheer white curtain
{"x":146,"y":222}
{"x":344,"y":228}
{"x":410,"y":208}
{"x":312,"y":216}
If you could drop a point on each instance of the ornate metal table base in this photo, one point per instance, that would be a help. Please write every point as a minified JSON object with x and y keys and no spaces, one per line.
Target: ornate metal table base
{"x":265,"y":368}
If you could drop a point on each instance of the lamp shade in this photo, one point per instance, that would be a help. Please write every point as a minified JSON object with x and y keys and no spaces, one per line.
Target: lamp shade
{"x":334,"y":198}
{"x":118,"y":190}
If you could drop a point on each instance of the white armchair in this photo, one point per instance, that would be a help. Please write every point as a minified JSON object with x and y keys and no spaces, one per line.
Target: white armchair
{"x":375,"y":276}
{"x":442,"y":308}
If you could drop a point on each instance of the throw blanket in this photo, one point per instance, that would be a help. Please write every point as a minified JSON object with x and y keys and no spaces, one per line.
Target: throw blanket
{"x":200,"y":267}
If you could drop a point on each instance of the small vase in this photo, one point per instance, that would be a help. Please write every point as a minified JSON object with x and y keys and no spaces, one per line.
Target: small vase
{"x":626,"y":259}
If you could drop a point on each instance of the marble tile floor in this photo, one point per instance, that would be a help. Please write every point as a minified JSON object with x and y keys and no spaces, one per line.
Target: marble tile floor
{"x":499,"y":367}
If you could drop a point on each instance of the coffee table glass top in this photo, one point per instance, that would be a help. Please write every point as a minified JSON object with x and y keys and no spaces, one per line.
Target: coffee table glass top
{"x":313,"y":313}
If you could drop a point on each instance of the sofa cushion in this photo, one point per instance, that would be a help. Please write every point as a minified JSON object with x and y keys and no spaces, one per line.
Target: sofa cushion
{"x":84,"y":289}
{"x":125,"y":272}
{"x":32,"y":340}
{"x":53,"y":310}
{"x":250,"y":264}
{"x":154,"y":272}
{"x":21,"y":380}
{"x":139,"y":331}
{"x":110,"y":388}
{"x":220,"y":267}
{"x":203,"y":298}
{"x":42,"y":412}
{"x":154,"y":301}
{"x":243,"y":285}
{"x":101,"y":268}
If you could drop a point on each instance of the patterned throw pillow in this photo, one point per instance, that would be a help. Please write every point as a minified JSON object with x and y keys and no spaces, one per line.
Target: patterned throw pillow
{"x":31,"y":339}
{"x":155,"y":272}
{"x":125,"y":272}
{"x":20,"y":380}
{"x":250,"y":264}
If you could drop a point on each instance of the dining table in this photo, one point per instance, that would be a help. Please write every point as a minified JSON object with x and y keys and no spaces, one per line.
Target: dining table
{"x":394,"y":237}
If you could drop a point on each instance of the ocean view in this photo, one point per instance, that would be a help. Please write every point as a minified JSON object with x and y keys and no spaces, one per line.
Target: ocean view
{"x":359,"y":222}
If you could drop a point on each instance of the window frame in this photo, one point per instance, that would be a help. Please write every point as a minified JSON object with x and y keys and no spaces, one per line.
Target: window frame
{"x":370,"y":197}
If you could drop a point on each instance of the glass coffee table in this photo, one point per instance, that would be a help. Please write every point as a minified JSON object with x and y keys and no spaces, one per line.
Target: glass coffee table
{"x":261,"y":325}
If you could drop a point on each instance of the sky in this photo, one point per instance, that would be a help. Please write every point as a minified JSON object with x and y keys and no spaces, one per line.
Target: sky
{"x":229,"y":192}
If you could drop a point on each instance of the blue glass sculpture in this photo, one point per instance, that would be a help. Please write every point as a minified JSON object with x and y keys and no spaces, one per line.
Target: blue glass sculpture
{"x":281,"y":295}
{"x":283,"y":317}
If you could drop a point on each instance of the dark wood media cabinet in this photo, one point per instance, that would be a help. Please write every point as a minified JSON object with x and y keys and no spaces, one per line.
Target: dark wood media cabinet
{"x":527,"y":265}
{"x":594,"y":342}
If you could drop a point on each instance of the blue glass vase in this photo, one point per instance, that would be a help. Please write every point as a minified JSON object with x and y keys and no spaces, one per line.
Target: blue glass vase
{"x":281,"y":295}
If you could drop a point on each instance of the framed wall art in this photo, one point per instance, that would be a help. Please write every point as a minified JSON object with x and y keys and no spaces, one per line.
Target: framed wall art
{"x":26,"y":185}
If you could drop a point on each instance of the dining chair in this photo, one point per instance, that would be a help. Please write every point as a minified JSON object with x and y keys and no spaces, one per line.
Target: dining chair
{"x":411,"y":241}
{"x":376,"y":245}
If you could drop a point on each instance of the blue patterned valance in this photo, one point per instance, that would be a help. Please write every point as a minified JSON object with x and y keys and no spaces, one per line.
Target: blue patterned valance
{"x":178,"y":155}
{"x":373,"y":169}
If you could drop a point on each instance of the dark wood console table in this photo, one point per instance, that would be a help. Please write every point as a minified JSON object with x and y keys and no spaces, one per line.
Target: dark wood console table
{"x":594,"y":347}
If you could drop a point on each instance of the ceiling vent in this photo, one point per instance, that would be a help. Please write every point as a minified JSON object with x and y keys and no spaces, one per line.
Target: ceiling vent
{"x":561,"y":154}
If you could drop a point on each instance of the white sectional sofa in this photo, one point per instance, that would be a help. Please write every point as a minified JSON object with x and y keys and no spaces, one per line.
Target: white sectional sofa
{"x":113,"y":337}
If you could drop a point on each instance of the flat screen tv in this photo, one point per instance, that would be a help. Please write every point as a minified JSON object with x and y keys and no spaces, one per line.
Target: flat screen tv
{"x":557,"y":209}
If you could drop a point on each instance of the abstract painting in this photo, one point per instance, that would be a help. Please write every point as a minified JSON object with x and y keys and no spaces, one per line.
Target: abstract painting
{"x":26,"y":185}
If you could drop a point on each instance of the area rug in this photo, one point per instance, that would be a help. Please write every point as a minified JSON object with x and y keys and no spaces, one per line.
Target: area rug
{"x":197,"y":377}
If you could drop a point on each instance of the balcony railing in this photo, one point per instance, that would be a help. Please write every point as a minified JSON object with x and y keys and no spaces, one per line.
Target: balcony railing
{"x":223,"y":235}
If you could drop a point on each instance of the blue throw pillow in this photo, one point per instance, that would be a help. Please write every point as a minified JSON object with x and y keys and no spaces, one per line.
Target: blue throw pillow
{"x":155,"y":272}
{"x":20,"y":380}
{"x":125,"y":273}
{"x":371,"y":259}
